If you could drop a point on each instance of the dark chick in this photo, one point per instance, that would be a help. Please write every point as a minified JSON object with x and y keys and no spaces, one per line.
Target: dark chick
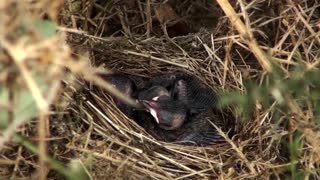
{"x":194,"y":94}
{"x":149,"y":121}
{"x":199,"y":130}
{"x":154,"y":93}
{"x":169,"y":114}
{"x":172,"y":115}
{"x":188,"y":89}
{"x":198,"y":102}
{"x":124,"y":85}
{"x":167,"y":81}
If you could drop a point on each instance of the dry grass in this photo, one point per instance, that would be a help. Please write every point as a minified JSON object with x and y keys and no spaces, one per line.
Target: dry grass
{"x":77,"y":123}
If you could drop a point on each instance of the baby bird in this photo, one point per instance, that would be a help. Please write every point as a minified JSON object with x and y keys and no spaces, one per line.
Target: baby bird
{"x":180,"y":104}
{"x":182,"y":95}
{"x":187,"y":112}
{"x":154,"y":93}
{"x":124,"y":85}
{"x":199,"y":130}
{"x":197,"y":97}
{"x":169,"y":114}
{"x":188,"y":89}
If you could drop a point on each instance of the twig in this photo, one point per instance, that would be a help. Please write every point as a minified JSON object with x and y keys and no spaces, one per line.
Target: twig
{"x":234,"y":147}
{"x":18,"y":53}
{"x":155,"y":58}
{"x":245,"y":34}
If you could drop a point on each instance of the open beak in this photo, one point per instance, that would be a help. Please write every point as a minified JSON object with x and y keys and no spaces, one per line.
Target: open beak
{"x":151,"y":107}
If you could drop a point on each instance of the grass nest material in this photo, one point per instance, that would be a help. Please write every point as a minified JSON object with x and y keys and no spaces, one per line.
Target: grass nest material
{"x":147,"y":38}
{"x":133,"y":152}
{"x":159,"y":159}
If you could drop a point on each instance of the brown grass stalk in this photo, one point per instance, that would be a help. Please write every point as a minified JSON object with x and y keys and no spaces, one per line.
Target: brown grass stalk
{"x":245,"y":34}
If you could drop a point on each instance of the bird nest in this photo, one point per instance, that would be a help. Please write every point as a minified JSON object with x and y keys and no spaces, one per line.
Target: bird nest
{"x":143,"y":38}
{"x":129,"y":145}
{"x":121,"y":148}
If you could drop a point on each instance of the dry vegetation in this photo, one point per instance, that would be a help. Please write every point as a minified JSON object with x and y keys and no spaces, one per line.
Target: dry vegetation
{"x":56,"y":120}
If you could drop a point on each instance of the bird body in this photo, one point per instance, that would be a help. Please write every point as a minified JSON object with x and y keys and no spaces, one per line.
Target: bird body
{"x":124,"y":85}
{"x":200,"y":131}
{"x":186,"y":112}
{"x":182,"y":107}
{"x":189,"y":130}
{"x":168,"y":113}
{"x":155,"y":93}
{"x":189,"y":90}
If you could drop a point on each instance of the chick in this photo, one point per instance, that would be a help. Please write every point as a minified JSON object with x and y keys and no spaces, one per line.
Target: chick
{"x":169,"y":114}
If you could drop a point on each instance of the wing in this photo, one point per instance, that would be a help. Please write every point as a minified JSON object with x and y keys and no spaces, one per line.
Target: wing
{"x":201,"y":138}
{"x":200,"y":130}
{"x":202,"y":100}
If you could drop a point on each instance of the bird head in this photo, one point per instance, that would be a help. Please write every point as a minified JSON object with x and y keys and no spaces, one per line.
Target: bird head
{"x":154,"y":93}
{"x":180,"y":91}
{"x":169,"y":114}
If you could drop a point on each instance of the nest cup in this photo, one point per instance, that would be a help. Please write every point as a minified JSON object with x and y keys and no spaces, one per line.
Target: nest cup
{"x":123,"y":138}
{"x":123,"y":149}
